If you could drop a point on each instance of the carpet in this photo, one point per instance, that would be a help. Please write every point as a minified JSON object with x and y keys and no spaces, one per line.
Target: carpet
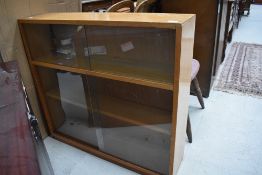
{"x":242,"y":70}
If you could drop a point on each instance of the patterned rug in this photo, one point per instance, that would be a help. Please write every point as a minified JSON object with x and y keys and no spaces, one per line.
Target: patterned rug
{"x":242,"y":70}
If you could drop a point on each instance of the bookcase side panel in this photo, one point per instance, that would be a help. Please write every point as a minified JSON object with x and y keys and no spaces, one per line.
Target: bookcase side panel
{"x":35,"y":76}
{"x":182,"y":80}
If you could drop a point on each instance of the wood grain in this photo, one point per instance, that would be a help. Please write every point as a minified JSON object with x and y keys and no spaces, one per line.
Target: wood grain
{"x":138,"y":81}
{"x":182,"y":80}
{"x":159,"y":20}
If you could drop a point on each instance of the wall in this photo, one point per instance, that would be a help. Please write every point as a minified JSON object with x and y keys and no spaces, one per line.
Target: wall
{"x":10,"y":42}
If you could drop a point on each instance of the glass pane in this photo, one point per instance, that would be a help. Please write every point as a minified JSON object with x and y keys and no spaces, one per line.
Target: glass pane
{"x":146,"y":53}
{"x":135,"y":122}
{"x":68,"y":102}
{"x":58,"y":44}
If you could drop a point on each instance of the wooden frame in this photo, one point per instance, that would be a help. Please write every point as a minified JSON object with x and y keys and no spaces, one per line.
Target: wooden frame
{"x":183,"y":24}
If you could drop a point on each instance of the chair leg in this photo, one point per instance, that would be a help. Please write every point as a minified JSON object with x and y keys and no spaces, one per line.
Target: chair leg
{"x":198,"y":92}
{"x":188,"y":130}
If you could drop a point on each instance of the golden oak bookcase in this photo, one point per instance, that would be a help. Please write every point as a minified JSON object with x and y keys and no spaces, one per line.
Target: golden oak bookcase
{"x":114,"y":85}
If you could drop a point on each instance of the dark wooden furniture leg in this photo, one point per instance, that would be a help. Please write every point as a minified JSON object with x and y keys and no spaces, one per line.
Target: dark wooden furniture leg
{"x":195,"y":69}
{"x":198,"y":92}
{"x":188,"y":130}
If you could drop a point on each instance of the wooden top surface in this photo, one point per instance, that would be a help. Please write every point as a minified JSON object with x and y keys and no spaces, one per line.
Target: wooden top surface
{"x":161,"y":20}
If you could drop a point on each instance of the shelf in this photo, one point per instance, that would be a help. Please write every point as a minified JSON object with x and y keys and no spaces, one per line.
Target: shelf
{"x":59,"y":60}
{"x":133,"y":68}
{"x":124,"y":113}
{"x":133,"y":113}
{"x":139,"y":81}
{"x":55,"y":95}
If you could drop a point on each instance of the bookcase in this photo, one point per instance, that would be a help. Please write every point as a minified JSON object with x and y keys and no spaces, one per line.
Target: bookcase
{"x":114,"y":85}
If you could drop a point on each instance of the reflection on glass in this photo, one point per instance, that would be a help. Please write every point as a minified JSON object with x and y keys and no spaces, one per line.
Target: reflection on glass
{"x":69,"y":104}
{"x":135,"y":123}
{"x":58,"y":44}
{"x":63,"y":42}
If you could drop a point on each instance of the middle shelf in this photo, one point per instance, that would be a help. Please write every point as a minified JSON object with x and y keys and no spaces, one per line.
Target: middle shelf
{"x":108,"y":75}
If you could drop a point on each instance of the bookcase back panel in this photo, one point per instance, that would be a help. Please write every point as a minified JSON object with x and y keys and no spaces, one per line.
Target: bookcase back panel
{"x":153,"y":97}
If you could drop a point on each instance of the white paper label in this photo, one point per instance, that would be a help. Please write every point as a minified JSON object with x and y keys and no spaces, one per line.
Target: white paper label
{"x":79,"y":28}
{"x":66,"y":41}
{"x":127,"y":46}
{"x":96,"y":50}
{"x":86,"y":51}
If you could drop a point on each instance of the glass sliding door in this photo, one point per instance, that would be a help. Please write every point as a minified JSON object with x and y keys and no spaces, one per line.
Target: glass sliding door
{"x":68,"y":101}
{"x":135,"y":125}
{"x":144,"y":53}
{"x":58,"y":44}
